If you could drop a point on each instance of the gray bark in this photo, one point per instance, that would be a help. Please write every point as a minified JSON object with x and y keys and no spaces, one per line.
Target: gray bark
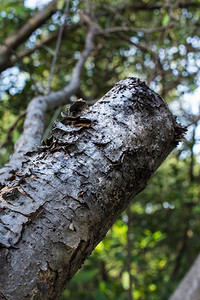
{"x":189,"y":288}
{"x":66,"y":196}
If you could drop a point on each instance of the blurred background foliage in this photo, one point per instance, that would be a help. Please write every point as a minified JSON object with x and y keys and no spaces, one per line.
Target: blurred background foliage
{"x":151,"y":246}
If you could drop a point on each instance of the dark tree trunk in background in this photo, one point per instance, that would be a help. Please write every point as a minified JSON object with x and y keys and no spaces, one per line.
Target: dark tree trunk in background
{"x":66,"y":196}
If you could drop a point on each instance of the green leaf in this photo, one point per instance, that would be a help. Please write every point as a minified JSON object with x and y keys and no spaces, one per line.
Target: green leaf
{"x":165,"y":20}
{"x":61,"y":4}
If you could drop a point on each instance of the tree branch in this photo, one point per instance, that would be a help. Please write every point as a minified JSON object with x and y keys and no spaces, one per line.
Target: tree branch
{"x":59,"y":205}
{"x":135,"y":29}
{"x":50,"y":125}
{"x":148,"y":6}
{"x":189,"y":287}
{"x":129,"y":248}
{"x":20,"y":36}
{"x":34,"y":124}
{"x":17,"y":57}
{"x":64,"y":17}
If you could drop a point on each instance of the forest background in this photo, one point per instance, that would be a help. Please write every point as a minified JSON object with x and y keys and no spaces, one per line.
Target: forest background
{"x":154,"y":242}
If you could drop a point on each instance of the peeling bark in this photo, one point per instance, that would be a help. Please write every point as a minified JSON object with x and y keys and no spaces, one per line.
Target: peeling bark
{"x":66,"y":196}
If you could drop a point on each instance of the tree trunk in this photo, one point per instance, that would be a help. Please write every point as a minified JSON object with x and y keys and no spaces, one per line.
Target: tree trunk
{"x":189,"y":288}
{"x":66,"y":196}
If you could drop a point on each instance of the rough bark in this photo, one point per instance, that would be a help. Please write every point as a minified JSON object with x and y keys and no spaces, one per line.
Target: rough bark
{"x":65,"y":197}
{"x":189,"y":288}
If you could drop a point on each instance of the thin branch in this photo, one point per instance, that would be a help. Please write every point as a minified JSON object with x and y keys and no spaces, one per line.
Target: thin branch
{"x":64,"y":17}
{"x":181,"y":249}
{"x":11,"y":129}
{"x":34,"y":124}
{"x":16,"y":39}
{"x":53,"y":119}
{"x":194,"y":121}
{"x":142,"y":47}
{"x":135,"y":29}
{"x":128,"y":212}
{"x":6,"y":63}
{"x":145,"y":6}
{"x":17,"y":57}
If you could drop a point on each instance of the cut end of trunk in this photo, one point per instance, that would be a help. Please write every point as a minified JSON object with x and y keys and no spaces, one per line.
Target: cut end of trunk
{"x":179,"y":132}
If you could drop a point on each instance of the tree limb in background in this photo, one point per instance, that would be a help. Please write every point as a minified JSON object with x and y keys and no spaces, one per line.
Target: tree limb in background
{"x":17,"y":57}
{"x":135,"y":6}
{"x":34,"y":124}
{"x":20,"y":36}
{"x":129,"y":249}
{"x":189,"y":287}
{"x":145,"y":49}
{"x":50,"y":125}
{"x":64,"y":19}
{"x":136,"y":29}
{"x":59,"y":205}
{"x":182,"y":246}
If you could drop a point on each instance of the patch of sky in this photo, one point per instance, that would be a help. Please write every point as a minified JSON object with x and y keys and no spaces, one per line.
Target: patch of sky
{"x":36,"y":3}
{"x":13,"y":80}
